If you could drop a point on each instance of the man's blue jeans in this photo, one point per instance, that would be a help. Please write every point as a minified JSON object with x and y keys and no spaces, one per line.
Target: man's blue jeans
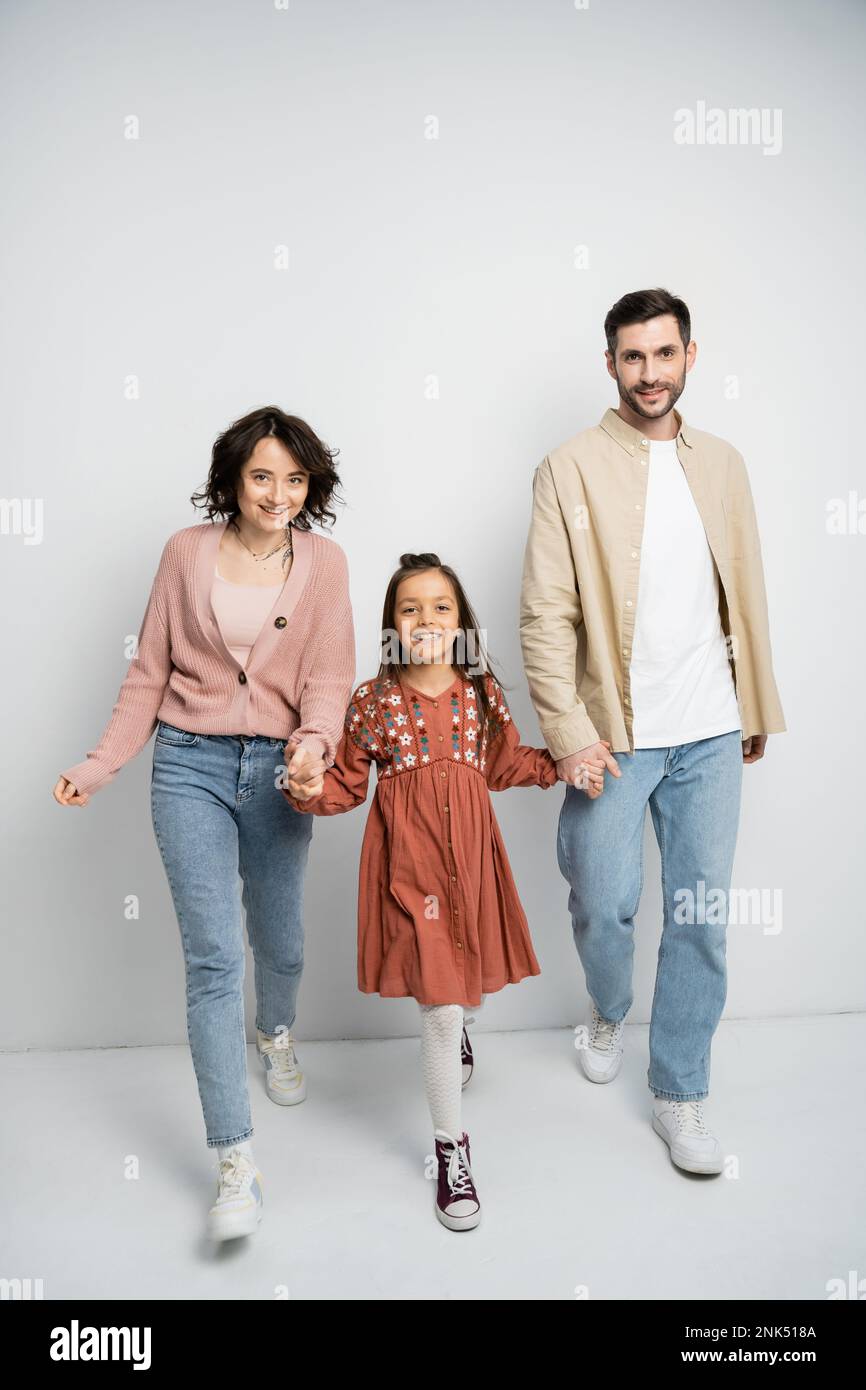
{"x":693,"y":792}
{"x":217,"y":814}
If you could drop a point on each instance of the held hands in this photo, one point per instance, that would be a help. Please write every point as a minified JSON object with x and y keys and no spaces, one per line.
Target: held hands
{"x":306,"y":774}
{"x":585,"y":769}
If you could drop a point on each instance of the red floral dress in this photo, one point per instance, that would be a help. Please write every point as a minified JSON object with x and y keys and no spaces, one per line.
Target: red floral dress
{"x":439,"y":917}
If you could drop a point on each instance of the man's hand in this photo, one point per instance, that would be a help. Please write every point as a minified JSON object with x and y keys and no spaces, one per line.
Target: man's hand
{"x":586,"y":768}
{"x":306,"y":774}
{"x":753,"y":747}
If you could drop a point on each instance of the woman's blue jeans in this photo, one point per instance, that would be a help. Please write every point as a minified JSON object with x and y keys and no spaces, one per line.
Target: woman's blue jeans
{"x":693,"y":792}
{"x":219,"y":820}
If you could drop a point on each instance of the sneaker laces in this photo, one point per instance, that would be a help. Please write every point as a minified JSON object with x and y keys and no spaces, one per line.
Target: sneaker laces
{"x":459,"y":1176}
{"x":605,"y":1034}
{"x":281,"y":1052}
{"x":690,"y":1118}
{"x":234,"y":1174}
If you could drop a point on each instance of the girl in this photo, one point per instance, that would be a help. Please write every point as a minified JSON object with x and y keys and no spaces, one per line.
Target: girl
{"x":439,"y":918}
{"x":247,"y":642}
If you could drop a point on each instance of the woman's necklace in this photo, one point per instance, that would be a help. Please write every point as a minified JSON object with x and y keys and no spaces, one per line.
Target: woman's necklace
{"x":285,"y":545}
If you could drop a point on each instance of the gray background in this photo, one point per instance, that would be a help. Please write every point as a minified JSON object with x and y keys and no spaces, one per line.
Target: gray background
{"x":411,"y":257}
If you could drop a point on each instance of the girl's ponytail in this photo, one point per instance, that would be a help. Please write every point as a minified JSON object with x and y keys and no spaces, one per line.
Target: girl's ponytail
{"x":426,"y":561}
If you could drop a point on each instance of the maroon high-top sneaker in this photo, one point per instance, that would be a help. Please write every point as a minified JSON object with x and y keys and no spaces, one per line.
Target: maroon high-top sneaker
{"x":457,"y":1204}
{"x":466,"y":1057}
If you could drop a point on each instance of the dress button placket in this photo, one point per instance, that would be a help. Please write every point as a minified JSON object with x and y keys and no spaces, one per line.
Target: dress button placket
{"x":452,"y":866}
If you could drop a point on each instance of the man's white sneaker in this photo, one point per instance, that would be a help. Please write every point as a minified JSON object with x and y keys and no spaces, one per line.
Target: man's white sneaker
{"x":238,"y":1207}
{"x":286,"y":1083}
{"x":682,"y":1125}
{"x":601,"y":1059}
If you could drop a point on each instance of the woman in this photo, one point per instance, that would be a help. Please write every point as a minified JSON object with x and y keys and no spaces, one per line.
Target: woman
{"x":247,"y":644}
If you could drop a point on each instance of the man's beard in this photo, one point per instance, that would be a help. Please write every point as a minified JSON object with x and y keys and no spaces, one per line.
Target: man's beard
{"x":651,"y":412}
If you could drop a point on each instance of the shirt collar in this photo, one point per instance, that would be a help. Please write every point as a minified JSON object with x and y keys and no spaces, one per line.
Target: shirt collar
{"x":630,"y":438}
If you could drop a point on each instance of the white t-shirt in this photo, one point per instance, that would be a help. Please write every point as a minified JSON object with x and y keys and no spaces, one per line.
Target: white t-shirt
{"x":682,"y":687}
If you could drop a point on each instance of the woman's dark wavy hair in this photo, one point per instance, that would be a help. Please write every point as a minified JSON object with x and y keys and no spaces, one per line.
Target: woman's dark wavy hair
{"x":234,"y":447}
{"x":468,"y":622}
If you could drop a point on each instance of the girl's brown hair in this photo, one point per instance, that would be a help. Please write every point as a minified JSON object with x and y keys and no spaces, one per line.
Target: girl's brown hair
{"x":468,"y":624}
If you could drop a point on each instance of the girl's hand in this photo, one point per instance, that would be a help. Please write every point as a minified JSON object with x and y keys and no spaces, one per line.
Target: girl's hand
{"x":589,"y":778}
{"x":305,"y":775}
{"x":585,"y":769}
{"x":309,"y":790}
{"x":66,"y":795}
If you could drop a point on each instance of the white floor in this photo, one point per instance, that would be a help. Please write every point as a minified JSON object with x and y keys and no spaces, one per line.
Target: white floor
{"x":578,"y":1192}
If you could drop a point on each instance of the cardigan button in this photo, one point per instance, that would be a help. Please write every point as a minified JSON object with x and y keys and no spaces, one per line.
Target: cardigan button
{"x":242,"y":677}
{"x":280,"y":622}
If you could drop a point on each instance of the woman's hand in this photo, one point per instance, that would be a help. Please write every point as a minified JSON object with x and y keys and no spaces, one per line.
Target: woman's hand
{"x":306,"y":775}
{"x":66,"y":795}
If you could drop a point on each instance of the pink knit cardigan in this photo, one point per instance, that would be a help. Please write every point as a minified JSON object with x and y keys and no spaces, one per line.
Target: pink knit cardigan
{"x":298,"y":678}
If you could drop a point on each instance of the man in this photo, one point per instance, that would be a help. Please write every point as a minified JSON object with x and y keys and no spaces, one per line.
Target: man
{"x":644,"y":631}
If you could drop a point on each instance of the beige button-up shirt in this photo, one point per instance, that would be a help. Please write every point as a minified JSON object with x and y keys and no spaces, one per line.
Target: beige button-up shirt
{"x":581,"y":574}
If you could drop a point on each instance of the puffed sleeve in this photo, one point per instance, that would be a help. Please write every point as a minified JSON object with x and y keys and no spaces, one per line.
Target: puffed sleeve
{"x":347,"y":781}
{"x":507,"y":761}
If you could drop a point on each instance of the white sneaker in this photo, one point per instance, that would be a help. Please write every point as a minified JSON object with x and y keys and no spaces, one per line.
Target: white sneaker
{"x":601,"y":1059}
{"x":286,"y":1083}
{"x":682,"y":1125}
{"x":238,"y":1207}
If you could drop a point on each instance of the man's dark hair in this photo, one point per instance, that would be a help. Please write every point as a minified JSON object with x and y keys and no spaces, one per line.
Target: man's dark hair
{"x":641,"y":305}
